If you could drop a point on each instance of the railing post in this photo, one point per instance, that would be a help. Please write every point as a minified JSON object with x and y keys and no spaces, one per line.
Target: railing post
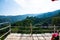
{"x":31,"y":28}
{"x":59,"y":36}
{"x":54,"y":29}
{"x":0,"y":38}
{"x":10,"y":27}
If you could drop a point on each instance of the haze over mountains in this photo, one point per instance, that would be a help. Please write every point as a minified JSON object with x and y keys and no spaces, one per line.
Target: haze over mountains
{"x":15,"y":18}
{"x":22,"y":17}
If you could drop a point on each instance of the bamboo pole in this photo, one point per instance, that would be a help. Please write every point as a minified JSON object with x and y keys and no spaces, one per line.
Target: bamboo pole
{"x":0,"y":38}
{"x":10,"y":27}
{"x":54,"y":29}
{"x":31,"y":28}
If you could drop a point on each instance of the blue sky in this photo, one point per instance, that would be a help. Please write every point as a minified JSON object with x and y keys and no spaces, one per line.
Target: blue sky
{"x":20,"y":7}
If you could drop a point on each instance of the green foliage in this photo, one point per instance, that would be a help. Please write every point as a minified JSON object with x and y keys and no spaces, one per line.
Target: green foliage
{"x":14,"y":29}
{"x":56,"y":21}
{"x":53,"y":20}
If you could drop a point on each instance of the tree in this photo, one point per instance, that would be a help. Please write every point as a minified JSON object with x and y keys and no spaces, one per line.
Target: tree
{"x":56,"y":21}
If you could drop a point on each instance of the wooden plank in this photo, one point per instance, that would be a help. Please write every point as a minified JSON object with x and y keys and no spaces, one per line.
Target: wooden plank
{"x":29,"y":38}
{"x":13,"y":37}
{"x":23,"y":38}
{"x":39,"y":35}
{"x":41,"y":38}
{"x":47,"y":38}
{"x":43,"y":35}
{"x":34,"y":35}
{"x":26,"y":35}
{"x":35,"y":38}
{"x":48,"y":34}
{"x":16,"y":36}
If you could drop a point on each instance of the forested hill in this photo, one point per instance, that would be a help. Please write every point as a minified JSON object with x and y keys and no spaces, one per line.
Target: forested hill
{"x":36,"y":18}
{"x":14,"y":18}
{"x":52,"y":18}
{"x":49,"y":14}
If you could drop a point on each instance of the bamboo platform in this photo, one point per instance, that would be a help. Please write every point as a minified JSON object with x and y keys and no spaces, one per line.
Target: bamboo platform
{"x":18,"y":36}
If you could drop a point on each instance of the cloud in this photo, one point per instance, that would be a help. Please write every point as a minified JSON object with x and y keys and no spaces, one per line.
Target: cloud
{"x":38,"y":6}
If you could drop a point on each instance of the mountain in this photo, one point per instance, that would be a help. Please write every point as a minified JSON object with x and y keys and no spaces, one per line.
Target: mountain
{"x":22,"y":17}
{"x":15,"y":18}
{"x":50,"y":18}
{"x":48,"y":14}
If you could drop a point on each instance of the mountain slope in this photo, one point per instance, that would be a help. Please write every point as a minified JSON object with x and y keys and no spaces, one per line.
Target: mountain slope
{"x":44,"y":20}
{"x":15,"y":18}
{"x":49,"y":14}
{"x":22,"y":17}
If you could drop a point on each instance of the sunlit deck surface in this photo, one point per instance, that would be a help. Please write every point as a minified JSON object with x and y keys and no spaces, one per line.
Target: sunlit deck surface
{"x":18,"y":36}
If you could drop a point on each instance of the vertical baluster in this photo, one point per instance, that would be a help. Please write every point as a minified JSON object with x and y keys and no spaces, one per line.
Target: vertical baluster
{"x":54,"y":29}
{"x":10,"y":27}
{"x":31,"y":28}
{"x":0,"y":38}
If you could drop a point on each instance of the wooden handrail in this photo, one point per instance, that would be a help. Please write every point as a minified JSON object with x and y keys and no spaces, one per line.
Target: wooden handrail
{"x":5,"y":34}
{"x":3,"y":23}
{"x":4,"y":28}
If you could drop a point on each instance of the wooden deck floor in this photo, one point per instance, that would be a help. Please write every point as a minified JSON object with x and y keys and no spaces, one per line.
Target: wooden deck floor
{"x":16,"y":36}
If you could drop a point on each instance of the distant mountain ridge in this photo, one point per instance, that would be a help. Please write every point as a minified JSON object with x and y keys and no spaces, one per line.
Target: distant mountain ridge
{"x":22,"y":17}
{"x":48,"y":14}
{"x":15,"y":18}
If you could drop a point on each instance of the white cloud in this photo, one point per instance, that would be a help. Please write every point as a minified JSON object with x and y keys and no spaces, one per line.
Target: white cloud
{"x":38,"y":6}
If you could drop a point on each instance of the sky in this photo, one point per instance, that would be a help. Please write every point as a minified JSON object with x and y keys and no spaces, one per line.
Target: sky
{"x":21,"y":7}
